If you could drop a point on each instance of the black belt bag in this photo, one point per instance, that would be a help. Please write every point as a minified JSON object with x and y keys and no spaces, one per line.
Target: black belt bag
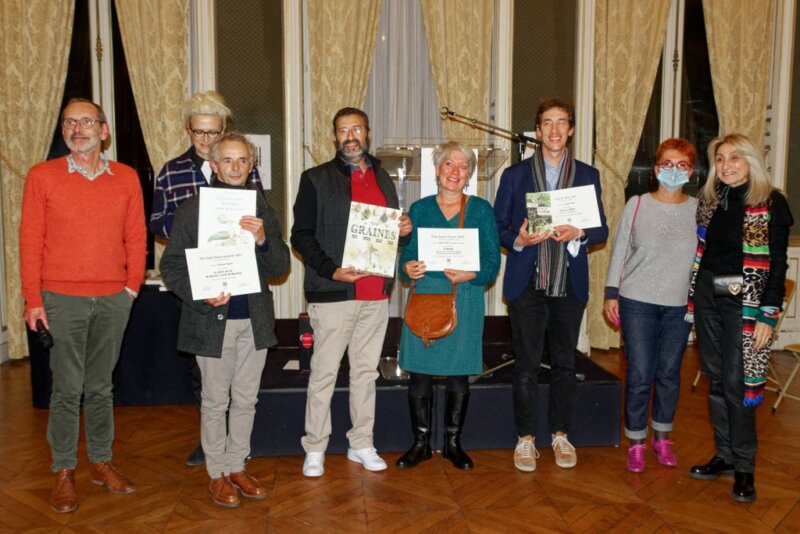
{"x":727,"y":285}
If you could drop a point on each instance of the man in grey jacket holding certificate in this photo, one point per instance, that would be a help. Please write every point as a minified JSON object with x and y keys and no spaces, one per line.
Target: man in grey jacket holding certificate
{"x":229,"y":334}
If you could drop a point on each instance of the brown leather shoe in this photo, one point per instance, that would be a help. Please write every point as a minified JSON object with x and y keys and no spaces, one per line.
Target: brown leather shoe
{"x":223,"y":493}
{"x":64,"y":499}
{"x":247,"y":485}
{"x":105,"y":474}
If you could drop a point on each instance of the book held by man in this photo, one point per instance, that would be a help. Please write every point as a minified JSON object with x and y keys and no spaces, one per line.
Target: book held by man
{"x":373,"y":233}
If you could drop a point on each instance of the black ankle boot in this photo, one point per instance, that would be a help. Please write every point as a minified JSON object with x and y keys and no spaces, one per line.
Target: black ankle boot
{"x":455,"y":413}
{"x":712,"y":470}
{"x":420,"y":451}
{"x":744,"y":487}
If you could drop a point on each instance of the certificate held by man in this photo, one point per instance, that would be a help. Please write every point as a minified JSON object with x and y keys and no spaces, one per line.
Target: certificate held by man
{"x":576,"y":206}
{"x":225,"y":260}
{"x":222,"y":270}
{"x":449,"y":248}
{"x":220,"y":212}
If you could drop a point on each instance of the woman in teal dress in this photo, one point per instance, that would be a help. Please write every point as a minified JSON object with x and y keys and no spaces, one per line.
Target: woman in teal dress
{"x":460,"y":354}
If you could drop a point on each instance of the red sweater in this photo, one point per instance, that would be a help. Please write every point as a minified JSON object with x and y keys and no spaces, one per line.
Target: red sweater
{"x":81,"y":237}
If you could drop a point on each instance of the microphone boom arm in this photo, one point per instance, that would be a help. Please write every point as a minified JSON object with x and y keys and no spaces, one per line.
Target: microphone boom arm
{"x":517,"y":137}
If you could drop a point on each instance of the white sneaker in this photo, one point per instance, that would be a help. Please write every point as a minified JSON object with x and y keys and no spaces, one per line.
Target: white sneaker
{"x":525,"y":454}
{"x":367,"y":457}
{"x":564,"y":451}
{"x":314,"y":465}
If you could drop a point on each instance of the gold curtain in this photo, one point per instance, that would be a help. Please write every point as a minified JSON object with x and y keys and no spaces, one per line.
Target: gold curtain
{"x":34,"y":45}
{"x":739,"y":35}
{"x":459,"y":35}
{"x":341,"y":42}
{"x":155,"y":36}
{"x":628,"y":40}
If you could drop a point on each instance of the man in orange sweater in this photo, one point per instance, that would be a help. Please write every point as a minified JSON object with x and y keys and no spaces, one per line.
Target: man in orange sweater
{"x":82,"y":252}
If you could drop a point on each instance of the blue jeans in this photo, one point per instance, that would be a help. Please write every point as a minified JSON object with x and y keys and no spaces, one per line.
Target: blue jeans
{"x":655,"y":338}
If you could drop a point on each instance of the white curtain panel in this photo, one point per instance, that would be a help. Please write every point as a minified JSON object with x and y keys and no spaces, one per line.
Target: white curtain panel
{"x":401,"y":98}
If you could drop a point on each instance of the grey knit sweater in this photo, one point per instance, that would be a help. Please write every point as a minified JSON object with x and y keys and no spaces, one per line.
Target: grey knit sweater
{"x":656,"y":265}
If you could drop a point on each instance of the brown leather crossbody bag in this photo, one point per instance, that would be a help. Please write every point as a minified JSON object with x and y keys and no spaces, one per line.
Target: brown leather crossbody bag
{"x":433,"y":316}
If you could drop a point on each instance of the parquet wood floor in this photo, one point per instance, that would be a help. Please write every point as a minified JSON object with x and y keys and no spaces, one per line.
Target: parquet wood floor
{"x":599,"y":495}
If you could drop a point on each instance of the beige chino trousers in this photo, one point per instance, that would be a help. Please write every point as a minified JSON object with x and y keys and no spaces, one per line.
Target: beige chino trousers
{"x":359,"y":327}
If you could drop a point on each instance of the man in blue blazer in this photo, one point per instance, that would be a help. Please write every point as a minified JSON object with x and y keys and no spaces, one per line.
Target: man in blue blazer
{"x":546,"y":280}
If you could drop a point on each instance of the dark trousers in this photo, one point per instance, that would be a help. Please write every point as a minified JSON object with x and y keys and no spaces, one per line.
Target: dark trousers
{"x":539,"y":321}
{"x":719,"y":335}
{"x":87,"y":332}
{"x":197,"y":382}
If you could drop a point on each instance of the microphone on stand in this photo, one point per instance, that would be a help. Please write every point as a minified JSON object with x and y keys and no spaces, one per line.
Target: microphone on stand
{"x":520,"y":139}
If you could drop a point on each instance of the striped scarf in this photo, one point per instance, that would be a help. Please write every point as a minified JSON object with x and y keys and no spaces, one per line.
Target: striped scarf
{"x":755,"y":271}
{"x":551,"y":267}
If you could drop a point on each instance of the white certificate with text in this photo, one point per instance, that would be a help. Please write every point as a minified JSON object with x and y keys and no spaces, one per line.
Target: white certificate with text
{"x":229,"y":270}
{"x":220,"y":211}
{"x":449,"y":248}
{"x":576,"y":206}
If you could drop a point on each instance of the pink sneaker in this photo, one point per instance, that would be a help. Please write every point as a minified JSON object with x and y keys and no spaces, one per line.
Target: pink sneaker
{"x":635,"y":461}
{"x":663,"y":450}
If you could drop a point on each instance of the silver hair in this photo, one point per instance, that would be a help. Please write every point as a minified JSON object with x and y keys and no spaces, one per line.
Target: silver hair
{"x":233,"y":137}
{"x":448,"y":148}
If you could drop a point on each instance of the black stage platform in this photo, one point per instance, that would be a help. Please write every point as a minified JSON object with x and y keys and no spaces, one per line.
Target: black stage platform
{"x":152,"y":372}
{"x":490,"y":419}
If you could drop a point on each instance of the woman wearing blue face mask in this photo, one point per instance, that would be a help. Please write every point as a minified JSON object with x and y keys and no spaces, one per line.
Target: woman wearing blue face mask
{"x":646,"y":292}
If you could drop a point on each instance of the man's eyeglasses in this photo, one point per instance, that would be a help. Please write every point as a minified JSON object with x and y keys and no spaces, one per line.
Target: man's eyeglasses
{"x":211,"y":134}
{"x":680,"y":165}
{"x":85,"y":122}
{"x":355,"y":130}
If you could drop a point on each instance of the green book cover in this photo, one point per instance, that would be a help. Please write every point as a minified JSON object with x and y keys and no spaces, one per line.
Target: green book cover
{"x":539,"y":215}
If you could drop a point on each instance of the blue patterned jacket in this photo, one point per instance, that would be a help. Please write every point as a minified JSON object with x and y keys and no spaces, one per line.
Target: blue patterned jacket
{"x":179,"y":180}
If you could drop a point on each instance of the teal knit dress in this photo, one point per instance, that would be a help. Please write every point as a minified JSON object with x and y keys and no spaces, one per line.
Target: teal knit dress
{"x":461,"y":352}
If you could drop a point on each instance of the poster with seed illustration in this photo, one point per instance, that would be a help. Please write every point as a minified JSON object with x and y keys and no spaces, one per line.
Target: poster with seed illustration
{"x":373,"y":233}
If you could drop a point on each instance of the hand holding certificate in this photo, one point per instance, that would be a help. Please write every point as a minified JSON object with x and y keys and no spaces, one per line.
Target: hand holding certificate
{"x":574,"y":206}
{"x":225,"y":261}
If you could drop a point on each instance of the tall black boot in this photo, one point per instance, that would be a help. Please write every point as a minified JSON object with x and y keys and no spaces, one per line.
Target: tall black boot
{"x":455,"y":413}
{"x":420,"y":451}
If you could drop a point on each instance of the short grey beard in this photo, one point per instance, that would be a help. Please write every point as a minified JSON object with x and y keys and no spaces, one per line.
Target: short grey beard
{"x":352,"y":159}
{"x":73,"y":147}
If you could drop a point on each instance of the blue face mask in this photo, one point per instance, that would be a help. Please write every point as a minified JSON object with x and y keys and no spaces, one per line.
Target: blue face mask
{"x":673,"y":178}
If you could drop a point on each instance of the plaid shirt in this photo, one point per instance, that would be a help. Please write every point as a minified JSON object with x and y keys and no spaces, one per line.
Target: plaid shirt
{"x":178,"y":180}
